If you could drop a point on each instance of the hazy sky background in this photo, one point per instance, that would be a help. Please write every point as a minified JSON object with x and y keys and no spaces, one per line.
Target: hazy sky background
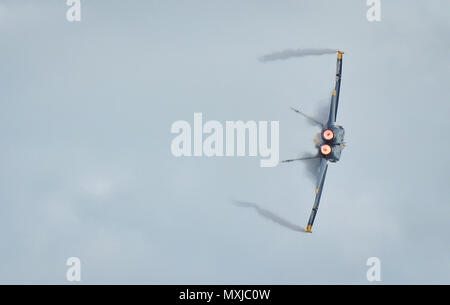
{"x":85,"y":162}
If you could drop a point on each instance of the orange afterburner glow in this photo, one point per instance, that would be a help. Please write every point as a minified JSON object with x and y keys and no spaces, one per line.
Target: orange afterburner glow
{"x":325,"y":149}
{"x":328,"y":135}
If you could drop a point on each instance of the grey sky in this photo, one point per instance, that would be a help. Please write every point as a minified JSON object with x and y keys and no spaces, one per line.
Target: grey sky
{"x":86,"y":168}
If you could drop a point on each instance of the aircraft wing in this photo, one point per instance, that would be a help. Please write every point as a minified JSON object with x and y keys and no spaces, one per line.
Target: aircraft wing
{"x":319,"y":187}
{"x":335,"y":96}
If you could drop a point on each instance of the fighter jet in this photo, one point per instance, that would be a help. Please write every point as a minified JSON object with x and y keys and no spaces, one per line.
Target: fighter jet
{"x":330,"y":143}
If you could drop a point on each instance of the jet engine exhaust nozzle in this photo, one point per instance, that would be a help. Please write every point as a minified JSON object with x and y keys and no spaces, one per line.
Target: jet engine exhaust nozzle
{"x":325,"y":149}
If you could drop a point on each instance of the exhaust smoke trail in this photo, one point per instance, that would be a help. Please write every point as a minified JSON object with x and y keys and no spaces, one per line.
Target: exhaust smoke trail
{"x":322,"y":110}
{"x":321,"y":115}
{"x":289,"y":53}
{"x":270,"y":215}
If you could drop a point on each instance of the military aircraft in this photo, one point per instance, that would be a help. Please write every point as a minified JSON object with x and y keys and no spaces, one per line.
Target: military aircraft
{"x":330,"y":143}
